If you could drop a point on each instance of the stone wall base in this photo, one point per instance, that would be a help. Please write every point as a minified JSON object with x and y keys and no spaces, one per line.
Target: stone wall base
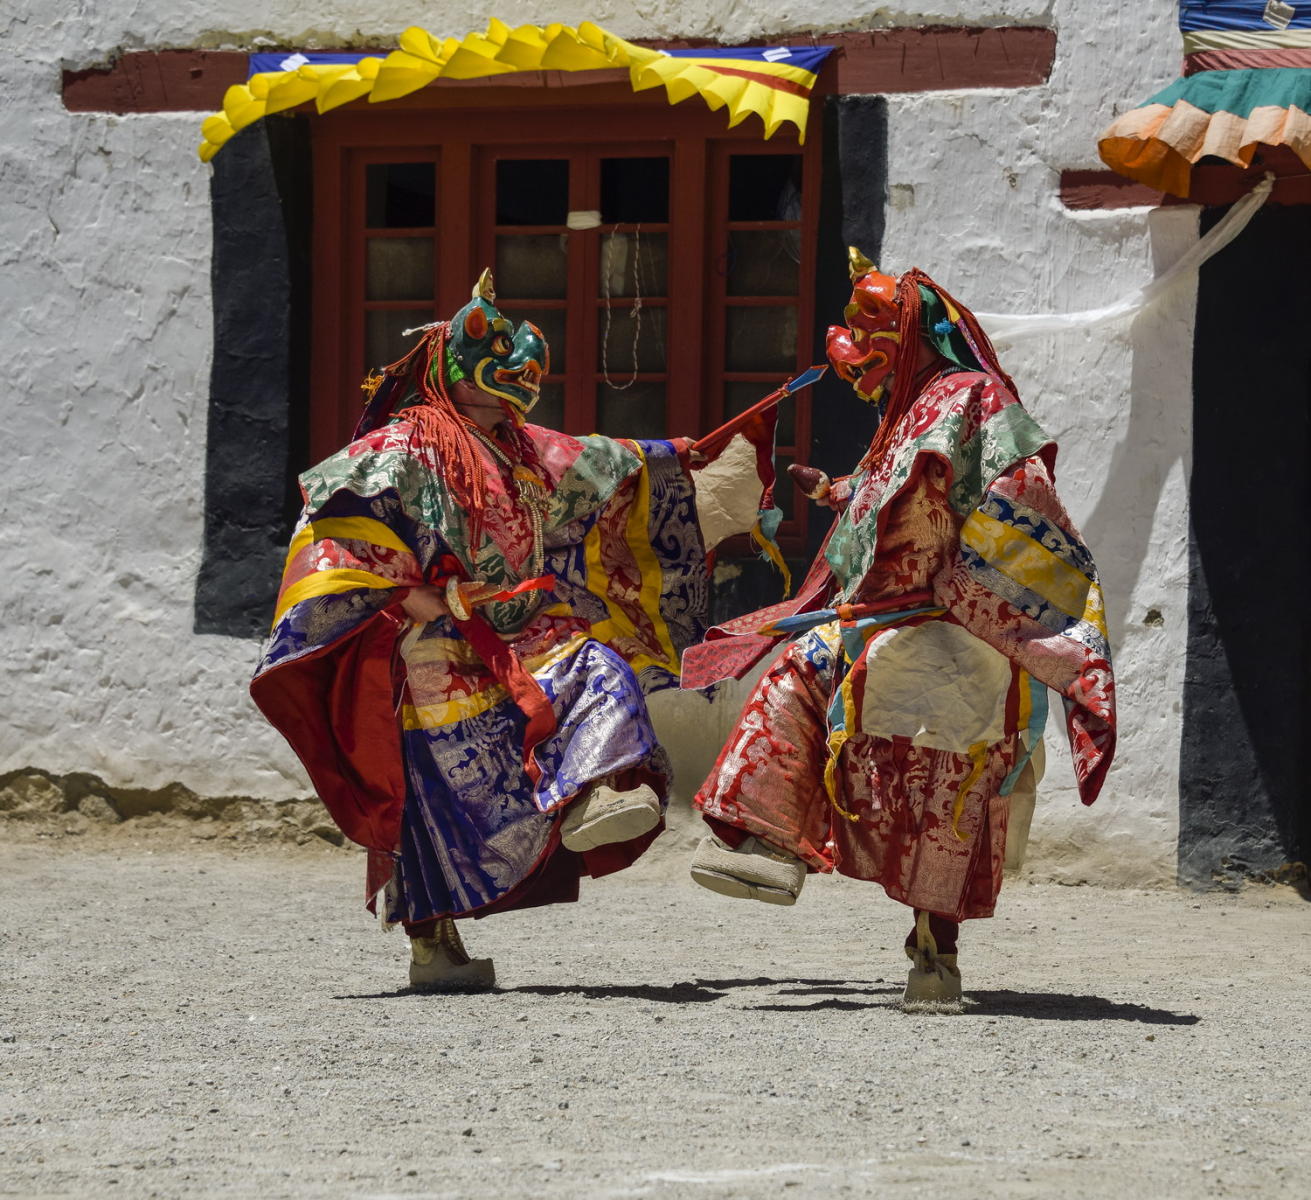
{"x":80,"y":803}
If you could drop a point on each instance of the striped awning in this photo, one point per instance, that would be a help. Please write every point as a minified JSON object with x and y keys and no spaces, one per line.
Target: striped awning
{"x":772,"y":82}
{"x":1246,"y":88}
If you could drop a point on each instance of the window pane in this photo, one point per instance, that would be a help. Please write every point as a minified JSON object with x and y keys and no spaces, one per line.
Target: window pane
{"x":636,"y":412}
{"x":764,"y":262}
{"x":761,"y":339}
{"x":634,"y":189}
{"x":785,"y":491}
{"x":398,"y":269}
{"x":532,"y":266}
{"x":738,"y":397}
{"x":549,"y":409}
{"x":630,"y":258}
{"x":635,"y":342}
{"x":532,"y":191}
{"x":551,"y":321}
{"x":764,"y":187}
{"x":400,"y":195}
{"x":383,"y":342}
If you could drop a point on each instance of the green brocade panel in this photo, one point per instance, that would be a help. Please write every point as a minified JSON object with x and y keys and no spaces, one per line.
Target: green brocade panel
{"x":1007,"y":437}
{"x":584,"y":487}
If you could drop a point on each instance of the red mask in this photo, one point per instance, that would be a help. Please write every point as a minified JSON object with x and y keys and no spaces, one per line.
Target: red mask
{"x":864,"y":351}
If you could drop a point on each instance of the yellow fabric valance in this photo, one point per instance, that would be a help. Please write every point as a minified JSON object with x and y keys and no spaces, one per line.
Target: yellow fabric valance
{"x":765,"y":84}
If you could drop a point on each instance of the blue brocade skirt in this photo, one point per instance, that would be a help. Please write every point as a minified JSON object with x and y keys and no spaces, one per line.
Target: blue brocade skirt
{"x":475,"y":826}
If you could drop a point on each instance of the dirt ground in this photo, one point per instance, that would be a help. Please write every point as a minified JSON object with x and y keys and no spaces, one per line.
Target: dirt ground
{"x":187,"y":1018}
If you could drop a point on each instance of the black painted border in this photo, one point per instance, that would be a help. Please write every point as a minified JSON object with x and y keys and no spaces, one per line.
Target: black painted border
{"x":260,"y":196}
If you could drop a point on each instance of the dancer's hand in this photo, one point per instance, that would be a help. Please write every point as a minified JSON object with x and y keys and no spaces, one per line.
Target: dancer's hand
{"x":427,"y":602}
{"x":688,"y":455}
{"x":813,"y":483}
{"x":424,"y":603}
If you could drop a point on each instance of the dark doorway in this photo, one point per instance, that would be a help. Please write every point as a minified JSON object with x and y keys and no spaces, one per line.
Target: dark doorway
{"x":1243,"y":773}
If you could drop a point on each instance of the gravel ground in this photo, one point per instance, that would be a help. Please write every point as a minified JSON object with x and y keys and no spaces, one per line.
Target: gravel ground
{"x":183,"y":1019}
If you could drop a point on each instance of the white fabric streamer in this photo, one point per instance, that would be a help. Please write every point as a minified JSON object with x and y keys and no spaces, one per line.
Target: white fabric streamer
{"x":1005,"y":329}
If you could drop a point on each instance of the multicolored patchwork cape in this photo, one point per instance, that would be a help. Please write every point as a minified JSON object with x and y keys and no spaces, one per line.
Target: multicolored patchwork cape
{"x":418,"y":732}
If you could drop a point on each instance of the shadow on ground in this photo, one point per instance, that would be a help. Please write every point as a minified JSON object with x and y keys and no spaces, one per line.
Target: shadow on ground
{"x":1058,"y":1006}
{"x":699,"y":991}
{"x":841,"y":995}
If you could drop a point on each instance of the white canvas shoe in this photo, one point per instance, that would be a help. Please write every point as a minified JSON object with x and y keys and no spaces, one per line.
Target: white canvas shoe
{"x":603,"y":816}
{"x":441,"y":963}
{"x":754,"y":871}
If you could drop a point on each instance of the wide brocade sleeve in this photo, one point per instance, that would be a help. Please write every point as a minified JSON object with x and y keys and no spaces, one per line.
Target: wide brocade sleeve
{"x":1025,"y":583}
{"x":633,"y":564}
{"x":325,"y":679}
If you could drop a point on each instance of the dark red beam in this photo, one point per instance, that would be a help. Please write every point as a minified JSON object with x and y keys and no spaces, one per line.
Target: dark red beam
{"x":156,"y":81}
{"x":942,"y":59}
{"x":1213,"y":183}
{"x":1105,"y":189}
{"x":880,"y":61}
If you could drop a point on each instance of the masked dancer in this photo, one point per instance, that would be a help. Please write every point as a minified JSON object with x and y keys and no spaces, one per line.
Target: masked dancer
{"x":472,"y":610}
{"x":886,"y":739}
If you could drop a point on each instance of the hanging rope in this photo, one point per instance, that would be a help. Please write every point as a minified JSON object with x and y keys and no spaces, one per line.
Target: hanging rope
{"x":635,"y":314}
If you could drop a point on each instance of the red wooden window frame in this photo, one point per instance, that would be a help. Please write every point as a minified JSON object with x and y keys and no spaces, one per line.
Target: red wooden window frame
{"x":582,"y":375}
{"x":462,"y":131}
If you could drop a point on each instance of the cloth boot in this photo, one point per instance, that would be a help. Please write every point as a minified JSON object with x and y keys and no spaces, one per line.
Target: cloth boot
{"x":603,"y":815}
{"x":754,"y":870}
{"x":933,"y":984}
{"x":442,"y":964}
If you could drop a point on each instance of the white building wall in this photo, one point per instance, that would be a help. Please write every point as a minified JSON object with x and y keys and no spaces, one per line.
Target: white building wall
{"x":105,"y":350}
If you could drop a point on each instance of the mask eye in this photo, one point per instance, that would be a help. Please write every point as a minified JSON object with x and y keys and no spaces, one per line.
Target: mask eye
{"x":475,"y":324}
{"x":501,"y":345}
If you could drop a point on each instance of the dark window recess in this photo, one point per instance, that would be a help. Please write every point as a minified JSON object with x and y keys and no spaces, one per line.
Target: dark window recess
{"x":764,"y":187}
{"x":633,"y":412}
{"x":634,"y":190}
{"x":532,"y":191}
{"x":764,"y":262}
{"x":400,"y":195}
{"x":384,"y":335}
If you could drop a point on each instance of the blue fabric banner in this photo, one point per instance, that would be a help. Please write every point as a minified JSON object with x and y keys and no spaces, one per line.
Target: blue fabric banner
{"x":808,"y":58}
{"x":1196,"y":16}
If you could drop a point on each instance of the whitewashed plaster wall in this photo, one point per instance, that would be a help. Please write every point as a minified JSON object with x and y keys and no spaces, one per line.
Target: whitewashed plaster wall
{"x":105,"y":349}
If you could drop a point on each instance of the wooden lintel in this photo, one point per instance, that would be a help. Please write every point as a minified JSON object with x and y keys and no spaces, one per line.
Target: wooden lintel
{"x":156,"y":81}
{"x":1105,"y":190}
{"x":942,"y":59}
{"x":1213,"y":183}
{"x":878,"y":61}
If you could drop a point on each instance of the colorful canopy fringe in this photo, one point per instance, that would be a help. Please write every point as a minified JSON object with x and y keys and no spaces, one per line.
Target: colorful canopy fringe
{"x":1247,"y":84}
{"x":772,"y":82}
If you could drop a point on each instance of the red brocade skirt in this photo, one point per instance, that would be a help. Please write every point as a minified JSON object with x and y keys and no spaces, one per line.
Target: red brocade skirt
{"x":926,"y":823}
